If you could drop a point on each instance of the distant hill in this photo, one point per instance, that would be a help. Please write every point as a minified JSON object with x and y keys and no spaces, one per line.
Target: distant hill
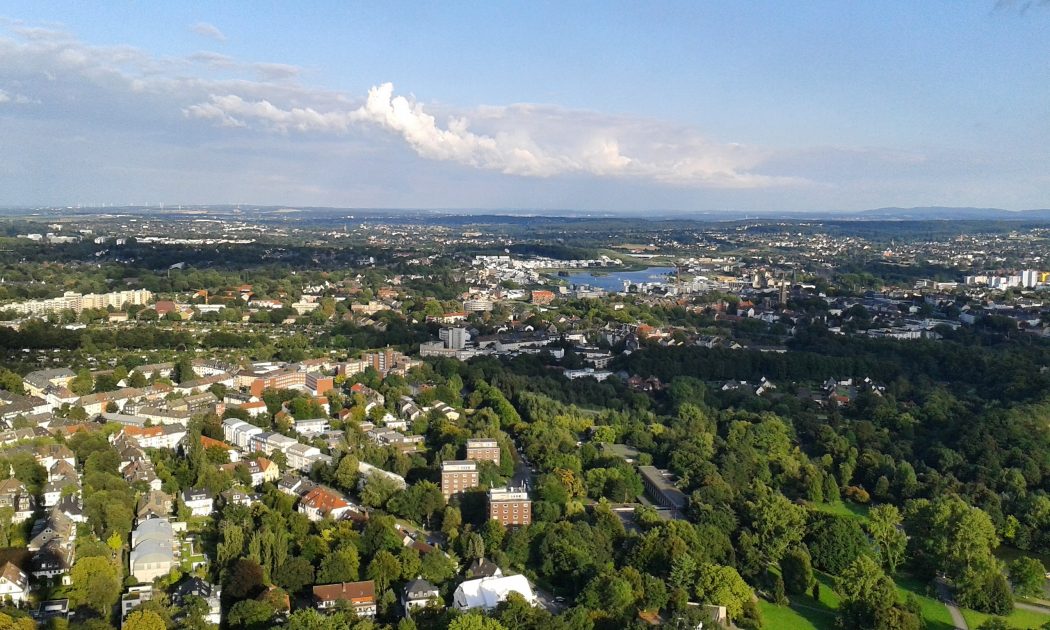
{"x":454,"y":216}
{"x":946,"y":213}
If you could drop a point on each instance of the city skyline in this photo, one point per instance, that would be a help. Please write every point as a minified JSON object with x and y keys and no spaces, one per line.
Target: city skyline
{"x":676,"y":107}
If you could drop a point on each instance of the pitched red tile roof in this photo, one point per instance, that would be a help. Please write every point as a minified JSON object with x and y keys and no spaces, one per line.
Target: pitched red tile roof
{"x":324,"y":500}
{"x":354,"y":592}
{"x":208,"y":442}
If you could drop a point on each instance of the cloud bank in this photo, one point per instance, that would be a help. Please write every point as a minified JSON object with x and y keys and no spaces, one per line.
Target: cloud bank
{"x":522,"y":140}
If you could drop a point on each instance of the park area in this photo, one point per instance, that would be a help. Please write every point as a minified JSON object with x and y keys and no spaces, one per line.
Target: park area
{"x":803,"y":612}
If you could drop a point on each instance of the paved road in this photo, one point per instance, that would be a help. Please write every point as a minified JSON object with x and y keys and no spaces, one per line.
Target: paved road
{"x":945,"y":595}
{"x":523,"y":476}
{"x":960,"y":622}
{"x":546,"y":600}
{"x":1045,"y":610}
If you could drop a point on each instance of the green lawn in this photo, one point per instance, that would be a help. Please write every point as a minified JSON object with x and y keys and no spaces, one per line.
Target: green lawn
{"x":782,"y":617}
{"x":187,"y":557}
{"x":187,"y":563}
{"x":828,"y":597}
{"x":933,"y":610}
{"x":1017,"y":619}
{"x":56,"y":592}
{"x":843,"y":508}
{"x":197,"y":524}
{"x":806,"y":614}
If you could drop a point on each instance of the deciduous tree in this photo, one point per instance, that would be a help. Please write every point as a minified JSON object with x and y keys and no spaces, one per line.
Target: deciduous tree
{"x":7,"y":622}
{"x":251,"y":614}
{"x":722,"y":586}
{"x":475,"y":621}
{"x":244,"y":579}
{"x":835,"y":541}
{"x":384,"y":569}
{"x":884,"y":527}
{"x":96,"y":583}
{"x":295,"y":574}
{"x":776,"y":522}
{"x":1027,"y":576}
{"x":339,"y":566}
{"x":143,"y":620}
{"x":797,"y":569}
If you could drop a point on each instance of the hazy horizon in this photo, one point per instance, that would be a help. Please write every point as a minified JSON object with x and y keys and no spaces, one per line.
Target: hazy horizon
{"x":247,"y":211}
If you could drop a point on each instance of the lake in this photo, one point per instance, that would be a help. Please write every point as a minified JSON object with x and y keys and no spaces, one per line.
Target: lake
{"x":613,"y":280}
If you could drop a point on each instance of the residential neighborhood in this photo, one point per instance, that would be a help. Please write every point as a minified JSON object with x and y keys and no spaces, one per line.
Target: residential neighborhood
{"x":657,"y":434}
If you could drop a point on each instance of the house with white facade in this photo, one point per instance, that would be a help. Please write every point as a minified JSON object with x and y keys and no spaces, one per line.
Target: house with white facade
{"x":14,"y":583}
{"x":200,"y":502}
{"x":321,"y":503}
{"x":419,"y":593}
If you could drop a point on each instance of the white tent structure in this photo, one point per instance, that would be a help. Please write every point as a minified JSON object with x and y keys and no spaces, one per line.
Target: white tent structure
{"x":488,"y":592}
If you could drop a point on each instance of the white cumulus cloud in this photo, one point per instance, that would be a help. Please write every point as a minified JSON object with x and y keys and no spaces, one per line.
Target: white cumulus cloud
{"x":206,"y":98}
{"x":17,"y":99}
{"x":519,"y":140}
{"x":209,"y":31}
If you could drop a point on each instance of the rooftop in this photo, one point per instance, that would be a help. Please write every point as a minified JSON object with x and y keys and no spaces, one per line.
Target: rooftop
{"x":356,"y":592}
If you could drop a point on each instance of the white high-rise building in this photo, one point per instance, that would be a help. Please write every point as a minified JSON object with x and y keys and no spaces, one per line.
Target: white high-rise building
{"x":454,"y":338}
{"x":71,"y":301}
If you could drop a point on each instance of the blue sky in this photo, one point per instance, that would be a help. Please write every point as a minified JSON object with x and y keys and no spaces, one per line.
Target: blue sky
{"x":588,"y":105}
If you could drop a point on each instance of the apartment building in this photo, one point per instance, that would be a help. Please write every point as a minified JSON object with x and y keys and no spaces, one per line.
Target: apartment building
{"x":239,"y":432}
{"x":483,"y":450}
{"x":477,"y":306}
{"x":542,"y":297}
{"x":510,"y":506}
{"x":72,"y":301}
{"x":458,"y":476}
{"x":386,"y":361}
{"x":292,"y":377}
